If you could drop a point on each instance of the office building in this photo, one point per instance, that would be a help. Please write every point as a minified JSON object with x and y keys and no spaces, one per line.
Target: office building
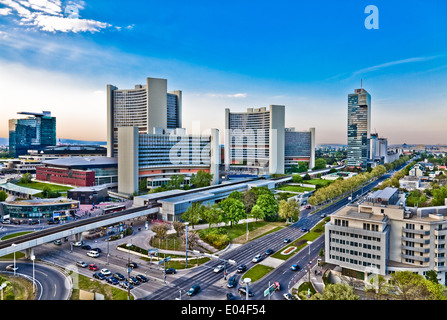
{"x":359,"y":128}
{"x":32,"y":133}
{"x":79,"y":171}
{"x":146,"y":107}
{"x":156,"y":157}
{"x":254,"y":140}
{"x":299,"y":147}
{"x":380,"y":235}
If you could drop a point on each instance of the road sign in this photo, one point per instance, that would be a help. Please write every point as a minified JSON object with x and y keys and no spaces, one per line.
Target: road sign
{"x":167,"y":259}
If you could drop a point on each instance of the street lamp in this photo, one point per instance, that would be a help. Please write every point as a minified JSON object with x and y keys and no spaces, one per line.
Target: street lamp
{"x":3,"y":286}
{"x":14,"y":245}
{"x":308,"y":268}
{"x":247,"y":281}
{"x":33,"y":257}
{"x":128,"y":270}
{"x":186,"y":245}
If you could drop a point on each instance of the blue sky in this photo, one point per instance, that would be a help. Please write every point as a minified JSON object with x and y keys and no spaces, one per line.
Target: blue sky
{"x":308,"y":55}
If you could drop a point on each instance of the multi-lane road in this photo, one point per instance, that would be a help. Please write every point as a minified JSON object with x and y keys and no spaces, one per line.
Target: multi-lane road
{"x":213,"y":285}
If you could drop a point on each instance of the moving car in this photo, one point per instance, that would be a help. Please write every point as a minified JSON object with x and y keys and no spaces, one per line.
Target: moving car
{"x":295,"y":267}
{"x":57,"y":242}
{"x":257,"y":258}
{"x":170,"y":271}
{"x":288,"y":296}
{"x":241,"y":268}
{"x":232,"y":282}
{"x":304,"y":229}
{"x":93,"y":254}
{"x":11,"y":267}
{"x":132,"y":265}
{"x":93,"y":267}
{"x":78,"y":243}
{"x":86,"y":247}
{"x":269,"y":251}
{"x":243,"y":290}
{"x":218,"y":269}
{"x":287,"y":240}
{"x":97,"y":250}
{"x":193,"y":290}
{"x":231,"y":296}
{"x":81,"y":264}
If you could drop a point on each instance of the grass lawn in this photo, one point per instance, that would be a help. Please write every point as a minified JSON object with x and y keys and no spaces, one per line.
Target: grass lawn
{"x":321,"y":182}
{"x":292,"y":188}
{"x":257,"y":272}
{"x":40,"y":185}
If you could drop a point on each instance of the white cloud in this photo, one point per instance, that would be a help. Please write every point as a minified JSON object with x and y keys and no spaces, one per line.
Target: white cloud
{"x":51,"y":16}
{"x":234,"y":95}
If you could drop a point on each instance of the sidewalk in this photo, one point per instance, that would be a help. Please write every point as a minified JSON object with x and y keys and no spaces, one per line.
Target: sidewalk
{"x":316,"y":277}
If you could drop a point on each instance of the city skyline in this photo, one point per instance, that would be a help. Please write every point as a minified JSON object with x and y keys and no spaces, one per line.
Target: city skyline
{"x":60,"y":56}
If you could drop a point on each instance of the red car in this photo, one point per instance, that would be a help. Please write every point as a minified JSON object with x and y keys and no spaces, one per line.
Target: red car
{"x":93,"y":267}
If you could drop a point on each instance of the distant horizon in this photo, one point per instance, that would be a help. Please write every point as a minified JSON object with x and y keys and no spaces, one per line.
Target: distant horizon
{"x":60,"y":56}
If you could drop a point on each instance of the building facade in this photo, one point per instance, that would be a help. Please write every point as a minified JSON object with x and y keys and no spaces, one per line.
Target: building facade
{"x":79,"y":171}
{"x":157,"y":157}
{"x":376,"y":238}
{"x":32,"y":133}
{"x":299,"y":147}
{"x":254,"y":140}
{"x":359,"y":128}
{"x":146,"y":107}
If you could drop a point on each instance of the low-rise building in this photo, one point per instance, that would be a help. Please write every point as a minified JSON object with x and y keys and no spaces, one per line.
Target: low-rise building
{"x":375,"y":236}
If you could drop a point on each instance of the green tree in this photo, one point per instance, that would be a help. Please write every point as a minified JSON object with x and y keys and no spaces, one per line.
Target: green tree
{"x":232,"y":210}
{"x":288,"y":209}
{"x":201,"y":179}
{"x":249,"y":198}
{"x":320,"y":164}
{"x":3,"y":195}
{"x":212,"y":214}
{"x":194,"y":213}
{"x":268,"y":205}
{"x":337,"y":291}
{"x":257,"y":212}
{"x":142,"y":186}
{"x":176,"y":181}
{"x":26,"y":178}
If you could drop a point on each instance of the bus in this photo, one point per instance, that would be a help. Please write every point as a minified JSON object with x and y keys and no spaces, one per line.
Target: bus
{"x":114,"y":208}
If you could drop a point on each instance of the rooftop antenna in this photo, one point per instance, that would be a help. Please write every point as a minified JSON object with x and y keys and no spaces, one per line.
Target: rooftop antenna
{"x":361,"y":83}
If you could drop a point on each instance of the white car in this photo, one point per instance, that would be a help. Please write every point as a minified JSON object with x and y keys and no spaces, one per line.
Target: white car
{"x":219,"y":268}
{"x":81,"y":264}
{"x":93,"y":254}
{"x":78,"y":243}
{"x":11,"y":267}
{"x":257,"y":258}
{"x":106,"y":272}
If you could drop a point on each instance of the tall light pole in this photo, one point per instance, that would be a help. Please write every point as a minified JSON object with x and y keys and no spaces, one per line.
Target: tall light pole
{"x":14,"y":245}
{"x":247,"y":281}
{"x":34,"y":277}
{"x":308,"y":291}
{"x":128,"y":270}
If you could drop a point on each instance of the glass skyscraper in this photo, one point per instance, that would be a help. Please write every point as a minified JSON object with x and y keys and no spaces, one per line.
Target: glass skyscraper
{"x":31,"y":133}
{"x":359,"y":128}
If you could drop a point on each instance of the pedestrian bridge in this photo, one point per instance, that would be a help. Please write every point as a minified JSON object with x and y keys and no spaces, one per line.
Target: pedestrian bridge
{"x":76,"y":228}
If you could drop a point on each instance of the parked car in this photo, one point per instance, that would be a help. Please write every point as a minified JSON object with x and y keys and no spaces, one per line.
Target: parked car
{"x":219,"y":268}
{"x":93,"y":254}
{"x":57,"y":242}
{"x":86,"y":247}
{"x":93,"y":267}
{"x":134,"y":281}
{"x":106,"y":272}
{"x":241,"y":268}
{"x":112,"y":280}
{"x":231,"y":296}
{"x":81,"y":264}
{"x":193,"y":290}
{"x":308,"y":206}
{"x":232,"y":282}
{"x":119,"y":276}
{"x":141,"y":278}
{"x":126,"y":285}
{"x":295,"y":267}
{"x":257,"y":258}
{"x":170,"y":271}
{"x":243,"y":291}
{"x":99,"y":275}
{"x":269,"y":251}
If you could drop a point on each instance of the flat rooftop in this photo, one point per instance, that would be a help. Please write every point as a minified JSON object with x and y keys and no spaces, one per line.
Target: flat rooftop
{"x":82,"y":162}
